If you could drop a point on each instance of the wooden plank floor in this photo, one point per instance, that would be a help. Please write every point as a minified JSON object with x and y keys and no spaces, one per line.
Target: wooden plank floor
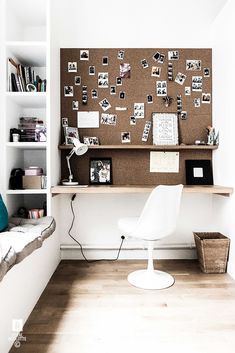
{"x":91,"y":308}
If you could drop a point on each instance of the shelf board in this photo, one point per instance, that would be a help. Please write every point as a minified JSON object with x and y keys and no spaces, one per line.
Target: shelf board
{"x":27,"y":145}
{"x":119,"y":189}
{"x":28,"y":99}
{"x":26,"y":191}
{"x":147,"y":147}
{"x":28,"y":53}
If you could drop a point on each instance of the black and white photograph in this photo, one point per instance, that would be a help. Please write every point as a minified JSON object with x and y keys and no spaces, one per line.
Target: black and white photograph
{"x":193,"y":65}
{"x":125,"y":70}
{"x":179,"y":103}
{"x":206,"y":98}
{"x":105,"y":105}
{"x":122,"y":95}
{"x":94,"y":93}
{"x":139,"y":110}
{"x":100,"y":171}
{"x":206,"y":72}
{"x":144,"y":63}
{"x":161,"y":59}
{"x":84,"y":54}
{"x":183,"y":115}
{"x":161,"y":88}
{"x":118,"y":81}
{"x":197,"y":83}
{"x":112,"y":90}
{"x":75,"y":105}
{"x":84,"y":95}
{"x":146,"y":131}
{"x":72,"y":66}
{"x":156,"y":56}
{"x":121,"y":54}
{"x":70,"y":133}
{"x":108,"y":119}
{"x":149,"y":98}
{"x":68,"y":91}
{"x":170,"y":71}
{"x":173,"y":55}
{"x":103,"y":80}
{"x":156,"y":71}
{"x":64,"y":122}
{"x":197,"y":102}
{"x":92,"y":70}
{"x":132,"y":120}
{"x":187,"y":90}
{"x":77,"y":80}
{"x":180,"y":78}
{"x":125,"y":137}
{"x":105,"y":60}
{"x":91,"y":140}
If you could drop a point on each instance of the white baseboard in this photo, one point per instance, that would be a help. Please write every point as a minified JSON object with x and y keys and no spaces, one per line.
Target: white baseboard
{"x":73,"y":252}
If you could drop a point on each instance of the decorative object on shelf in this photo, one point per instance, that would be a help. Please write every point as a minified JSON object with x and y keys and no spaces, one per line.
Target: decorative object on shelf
{"x":199,"y":142}
{"x":165,"y":129}
{"x":212,"y":136}
{"x":16,"y":179}
{"x":100,"y":171}
{"x":79,"y":149}
{"x":31,"y":87}
{"x":198,"y":172}
{"x":167,"y":101}
{"x":16,"y":137}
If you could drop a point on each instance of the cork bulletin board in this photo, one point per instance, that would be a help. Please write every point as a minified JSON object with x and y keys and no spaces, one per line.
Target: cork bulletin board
{"x":187,"y":74}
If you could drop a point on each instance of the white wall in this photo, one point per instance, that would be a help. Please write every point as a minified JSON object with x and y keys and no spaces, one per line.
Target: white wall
{"x":113,"y":24}
{"x":223,"y":103}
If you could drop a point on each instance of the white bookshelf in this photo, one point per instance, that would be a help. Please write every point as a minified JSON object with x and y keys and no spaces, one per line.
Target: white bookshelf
{"x":26,"y":41}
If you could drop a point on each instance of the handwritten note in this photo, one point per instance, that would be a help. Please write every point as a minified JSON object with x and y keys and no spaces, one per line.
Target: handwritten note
{"x":164,"y":162}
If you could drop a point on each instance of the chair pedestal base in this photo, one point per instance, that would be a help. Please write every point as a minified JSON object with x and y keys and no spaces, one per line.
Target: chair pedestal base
{"x":146,"y":279}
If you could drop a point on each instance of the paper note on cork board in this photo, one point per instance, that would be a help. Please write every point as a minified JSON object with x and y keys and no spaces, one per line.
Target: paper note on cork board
{"x":164,"y":162}
{"x":88,"y":119}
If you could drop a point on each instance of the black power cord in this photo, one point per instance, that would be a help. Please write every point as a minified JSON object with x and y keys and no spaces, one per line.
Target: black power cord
{"x":80,"y":245}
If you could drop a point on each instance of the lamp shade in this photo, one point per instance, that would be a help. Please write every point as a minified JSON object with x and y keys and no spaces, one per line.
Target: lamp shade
{"x":79,"y":148}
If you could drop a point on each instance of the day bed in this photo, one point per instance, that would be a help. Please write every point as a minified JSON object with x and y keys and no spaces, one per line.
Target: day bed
{"x":28,"y":258}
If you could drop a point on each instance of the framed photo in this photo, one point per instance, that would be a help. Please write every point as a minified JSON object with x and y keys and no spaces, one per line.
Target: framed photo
{"x":70,"y":133}
{"x":198,"y":172}
{"x":100,"y":171}
{"x":91,"y":140}
{"x":165,"y":129}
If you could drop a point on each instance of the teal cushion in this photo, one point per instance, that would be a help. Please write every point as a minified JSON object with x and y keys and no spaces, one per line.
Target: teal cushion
{"x":3,"y":215}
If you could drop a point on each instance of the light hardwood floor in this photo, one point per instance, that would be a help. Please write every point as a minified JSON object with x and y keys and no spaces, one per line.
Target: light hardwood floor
{"x":91,"y":308}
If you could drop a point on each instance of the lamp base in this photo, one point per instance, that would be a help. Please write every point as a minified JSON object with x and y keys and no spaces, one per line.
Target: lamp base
{"x":69,"y":183}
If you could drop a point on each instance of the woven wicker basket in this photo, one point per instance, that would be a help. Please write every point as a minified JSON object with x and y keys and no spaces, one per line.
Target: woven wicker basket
{"x":212,"y":251}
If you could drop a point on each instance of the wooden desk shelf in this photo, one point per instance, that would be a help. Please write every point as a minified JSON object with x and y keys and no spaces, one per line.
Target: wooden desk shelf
{"x":125,"y":189}
{"x":146,"y":147}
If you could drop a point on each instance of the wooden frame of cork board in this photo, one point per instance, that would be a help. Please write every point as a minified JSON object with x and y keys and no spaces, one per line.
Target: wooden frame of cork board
{"x":126,"y":163}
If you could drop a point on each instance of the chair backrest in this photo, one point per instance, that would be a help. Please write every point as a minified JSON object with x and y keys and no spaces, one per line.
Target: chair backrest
{"x":159,"y":216}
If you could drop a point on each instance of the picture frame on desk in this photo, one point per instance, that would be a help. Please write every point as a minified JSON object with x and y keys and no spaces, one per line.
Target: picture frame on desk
{"x":100,"y":171}
{"x":199,"y":172}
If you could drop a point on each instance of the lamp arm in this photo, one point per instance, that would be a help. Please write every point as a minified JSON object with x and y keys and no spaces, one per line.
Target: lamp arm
{"x":68,"y":164}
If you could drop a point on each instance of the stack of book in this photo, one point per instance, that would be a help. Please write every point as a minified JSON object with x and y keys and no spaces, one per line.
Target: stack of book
{"x":32,"y":129}
{"x":23,"y":78}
